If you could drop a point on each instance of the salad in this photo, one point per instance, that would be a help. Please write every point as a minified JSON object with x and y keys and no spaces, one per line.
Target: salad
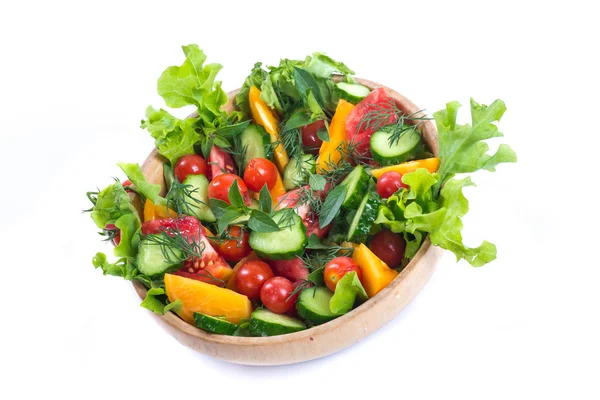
{"x":293,"y":207}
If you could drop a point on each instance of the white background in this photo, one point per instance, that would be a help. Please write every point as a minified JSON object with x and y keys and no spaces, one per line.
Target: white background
{"x":75,"y":80}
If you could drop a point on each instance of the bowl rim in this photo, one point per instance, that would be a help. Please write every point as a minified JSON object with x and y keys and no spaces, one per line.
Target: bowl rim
{"x":174,"y":321}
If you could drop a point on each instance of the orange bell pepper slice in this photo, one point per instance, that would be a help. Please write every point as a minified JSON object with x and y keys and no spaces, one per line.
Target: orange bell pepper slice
{"x":375,"y":273}
{"x":264,"y":116}
{"x":157,"y":211}
{"x":329,"y":153}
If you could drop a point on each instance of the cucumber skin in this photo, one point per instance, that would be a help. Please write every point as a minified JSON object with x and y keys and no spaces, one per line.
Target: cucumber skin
{"x":281,"y":256}
{"x":260,"y":328}
{"x":200,"y":183}
{"x":309,"y":315}
{"x":354,"y":198}
{"x":365,"y":219}
{"x":347,"y":96}
{"x":213,"y":325}
{"x":142,"y":252}
{"x":393,"y":160}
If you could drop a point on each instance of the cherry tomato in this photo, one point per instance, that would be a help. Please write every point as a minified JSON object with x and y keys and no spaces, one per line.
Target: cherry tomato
{"x":250,"y":278}
{"x":310,"y":138}
{"x":275,"y":295}
{"x":259,"y":172}
{"x":293,"y":269}
{"x":219,"y":188}
{"x":389,"y":247}
{"x":389,"y":183}
{"x":233,"y":249}
{"x":337,"y":268}
{"x":190,"y":164}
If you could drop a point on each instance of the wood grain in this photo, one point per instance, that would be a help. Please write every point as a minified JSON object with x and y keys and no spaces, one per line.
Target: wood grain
{"x":323,"y":339}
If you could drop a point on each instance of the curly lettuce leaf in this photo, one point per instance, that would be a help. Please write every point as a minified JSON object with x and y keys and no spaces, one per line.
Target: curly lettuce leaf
{"x":149,"y":190}
{"x":462,"y":148}
{"x":124,"y":267}
{"x":157,"y":302}
{"x":112,"y":203}
{"x":193,"y":83}
{"x":129,"y":225}
{"x":173,"y":137}
{"x":322,"y":66}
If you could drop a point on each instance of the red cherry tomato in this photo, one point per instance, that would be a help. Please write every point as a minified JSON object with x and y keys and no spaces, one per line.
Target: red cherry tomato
{"x":251,"y":277}
{"x":117,"y":236}
{"x":275,"y":295}
{"x":190,"y":164}
{"x":337,"y":268}
{"x":219,"y":188}
{"x":310,"y":138}
{"x":259,"y":172}
{"x":389,"y":183}
{"x":389,"y":247}
{"x":233,"y":249}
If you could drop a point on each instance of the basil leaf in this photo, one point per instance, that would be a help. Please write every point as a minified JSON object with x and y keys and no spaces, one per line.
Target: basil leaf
{"x":235,"y":197}
{"x":221,"y":141}
{"x":305,"y":82}
{"x":332,"y":205}
{"x":297,"y":120}
{"x":261,"y":222}
{"x":346,"y":291}
{"x":314,"y":243}
{"x":218,"y":207}
{"x":232,"y":130}
{"x":317,"y":277}
{"x":266,"y":203}
{"x":317,"y":182}
{"x":226,"y":219}
{"x":323,"y":134}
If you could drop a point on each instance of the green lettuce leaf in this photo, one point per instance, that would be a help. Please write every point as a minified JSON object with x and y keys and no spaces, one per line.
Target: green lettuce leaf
{"x":112,"y":203}
{"x":173,"y":137}
{"x":148,"y":190}
{"x":129,"y":224}
{"x":157,"y":302}
{"x":346,"y":291}
{"x":193,"y":83}
{"x":124,"y":267}
{"x":462,"y":147}
{"x":322,"y":66}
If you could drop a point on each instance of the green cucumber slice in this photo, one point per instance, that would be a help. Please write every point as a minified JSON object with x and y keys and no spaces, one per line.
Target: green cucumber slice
{"x":408,"y":147}
{"x":352,"y":92}
{"x":253,"y":144}
{"x":198,"y":199}
{"x":284,"y":244}
{"x":214,"y":324}
{"x":152,"y":261}
{"x":266,"y":323}
{"x":313,"y":305}
{"x":364,"y":218}
{"x":296,"y":172}
{"x":356,"y":186}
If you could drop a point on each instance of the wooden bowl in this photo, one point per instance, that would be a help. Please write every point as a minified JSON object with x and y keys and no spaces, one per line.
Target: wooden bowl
{"x":324,"y":339}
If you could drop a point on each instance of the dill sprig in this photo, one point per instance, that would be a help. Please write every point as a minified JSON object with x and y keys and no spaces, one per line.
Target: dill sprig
{"x":181,"y":199}
{"x":387,"y":114}
{"x":291,"y":141}
{"x":175,"y":246}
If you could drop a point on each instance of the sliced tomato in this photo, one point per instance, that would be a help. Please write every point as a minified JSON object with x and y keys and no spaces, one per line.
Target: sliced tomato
{"x":293,"y":269}
{"x":220,"y":162}
{"x":377,"y":101}
{"x":211,"y":267}
{"x":311,"y":221}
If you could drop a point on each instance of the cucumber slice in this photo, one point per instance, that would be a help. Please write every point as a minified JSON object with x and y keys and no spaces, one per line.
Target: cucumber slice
{"x":356,"y":186}
{"x":198,"y":199}
{"x":364,"y":218}
{"x":408,"y":147}
{"x":151,"y":260}
{"x":214,"y":325}
{"x":284,"y":244}
{"x":296,"y":172}
{"x":254,"y":142}
{"x":313,"y":305}
{"x":352,"y":92}
{"x":266,"y":323}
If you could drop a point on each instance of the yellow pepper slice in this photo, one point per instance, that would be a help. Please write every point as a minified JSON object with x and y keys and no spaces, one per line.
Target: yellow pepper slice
{"x":157,"y":211}
{"x":277,"y":190}
{"x":329,"y":154}
{"x":430,"y":164}
{"x":264,"y":116}
{"x":375,"y":273}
